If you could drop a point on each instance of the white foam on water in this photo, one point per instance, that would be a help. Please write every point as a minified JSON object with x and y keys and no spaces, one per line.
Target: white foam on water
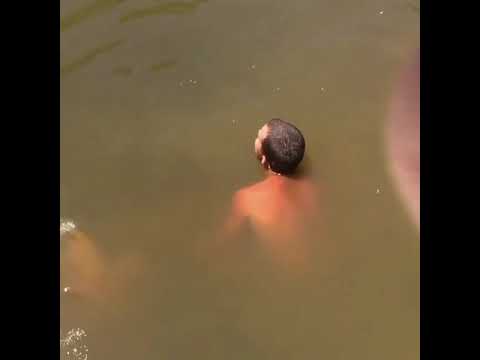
{"x":73,"y":346}
{"x":66,"y":226}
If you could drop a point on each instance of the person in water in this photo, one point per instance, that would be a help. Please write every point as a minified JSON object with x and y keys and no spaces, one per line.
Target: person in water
{"x":89,"y":273}
{"x":279,"y":206}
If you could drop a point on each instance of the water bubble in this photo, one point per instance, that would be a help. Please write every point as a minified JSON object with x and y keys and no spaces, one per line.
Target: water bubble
{"x":73,"y":345}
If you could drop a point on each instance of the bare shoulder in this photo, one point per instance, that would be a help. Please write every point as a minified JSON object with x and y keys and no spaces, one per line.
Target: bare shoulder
{"x":242,"y":195}
{"x":308,"y":186}
{"x":247,"y":195}
{"x":251,"y":189}
{"x":239,"y":199}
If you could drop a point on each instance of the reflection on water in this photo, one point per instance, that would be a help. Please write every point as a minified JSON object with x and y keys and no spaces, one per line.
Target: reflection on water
{"x":86,"y":12}
{"x":169,"y":8}
{"x":157,"y":120}
{"x":88,"y":57}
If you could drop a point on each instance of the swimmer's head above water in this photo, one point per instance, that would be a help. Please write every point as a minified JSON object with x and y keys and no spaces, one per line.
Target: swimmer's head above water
{"x":280,"y":147}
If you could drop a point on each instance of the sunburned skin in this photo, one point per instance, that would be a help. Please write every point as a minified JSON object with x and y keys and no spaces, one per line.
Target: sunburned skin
{"x":279,"y":209}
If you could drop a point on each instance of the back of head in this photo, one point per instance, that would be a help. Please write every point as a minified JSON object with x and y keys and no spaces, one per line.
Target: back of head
{"x":283,"y":147}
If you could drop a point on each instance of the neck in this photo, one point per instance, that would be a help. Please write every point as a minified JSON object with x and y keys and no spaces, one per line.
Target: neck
{"x":271,"y":173}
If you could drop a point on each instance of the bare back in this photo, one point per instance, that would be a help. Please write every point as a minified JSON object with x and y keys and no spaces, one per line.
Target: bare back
{"x":279,"y":209}
{"x":279,"y":205}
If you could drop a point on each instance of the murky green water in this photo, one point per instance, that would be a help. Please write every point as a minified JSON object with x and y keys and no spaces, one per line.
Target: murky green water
{"x":160,"y":104}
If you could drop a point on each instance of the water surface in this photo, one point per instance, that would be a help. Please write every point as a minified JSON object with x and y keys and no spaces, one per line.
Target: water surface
{"x":160,"y":104}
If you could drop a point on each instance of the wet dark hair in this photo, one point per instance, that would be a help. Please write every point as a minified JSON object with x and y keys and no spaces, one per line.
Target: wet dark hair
{"x":283,"y":147}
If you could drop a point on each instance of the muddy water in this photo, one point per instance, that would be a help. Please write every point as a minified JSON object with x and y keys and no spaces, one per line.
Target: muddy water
{"x":160,"y":104}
